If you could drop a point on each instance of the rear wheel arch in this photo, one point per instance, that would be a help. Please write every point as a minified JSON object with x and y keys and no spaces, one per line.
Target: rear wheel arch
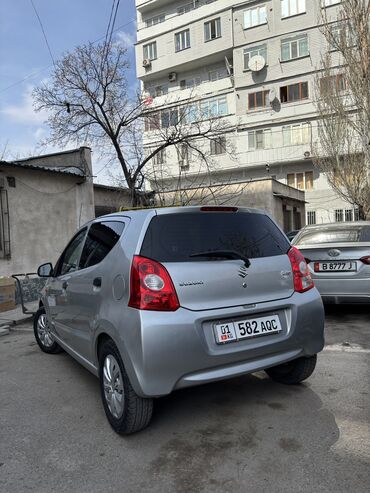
{"x":100,"y":340}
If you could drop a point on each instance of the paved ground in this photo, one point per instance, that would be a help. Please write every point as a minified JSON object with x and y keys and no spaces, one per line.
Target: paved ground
{"x":243,"y":435}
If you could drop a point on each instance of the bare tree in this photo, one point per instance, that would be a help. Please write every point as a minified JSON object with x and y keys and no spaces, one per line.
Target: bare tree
{"x":88,"y":100}
{"x":342,"y":150}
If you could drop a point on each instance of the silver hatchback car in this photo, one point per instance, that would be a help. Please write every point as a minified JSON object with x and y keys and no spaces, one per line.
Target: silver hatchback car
{"x":338,"y":256}
{"x":156,"y":300}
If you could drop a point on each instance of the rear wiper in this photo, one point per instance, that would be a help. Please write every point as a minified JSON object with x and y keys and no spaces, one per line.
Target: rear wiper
{"x":228,"y":254}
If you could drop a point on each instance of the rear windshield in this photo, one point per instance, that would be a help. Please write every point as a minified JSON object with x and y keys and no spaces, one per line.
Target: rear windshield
{"x":350,"y":234}
{"x":175,"y":237}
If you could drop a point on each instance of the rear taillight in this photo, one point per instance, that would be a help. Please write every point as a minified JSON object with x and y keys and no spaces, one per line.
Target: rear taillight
{"x":301,"y":275}
{"x":151,"y":287}
{"x":365,"y":260}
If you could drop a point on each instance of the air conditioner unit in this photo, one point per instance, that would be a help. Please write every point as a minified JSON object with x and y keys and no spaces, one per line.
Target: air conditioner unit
{"x":147,"y":62}
{"x":172,"y":77}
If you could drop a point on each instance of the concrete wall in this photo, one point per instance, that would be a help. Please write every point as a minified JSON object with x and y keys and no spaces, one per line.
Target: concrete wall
{"x":109,"y":199}
{"x":45,"y":209}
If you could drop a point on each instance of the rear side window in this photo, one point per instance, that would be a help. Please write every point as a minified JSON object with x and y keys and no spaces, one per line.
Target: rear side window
{"x":175,"y":237}
{"x":100,"y":240}
{"x":349,"y":234}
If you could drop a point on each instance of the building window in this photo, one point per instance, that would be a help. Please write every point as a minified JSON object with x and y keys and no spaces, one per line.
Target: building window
{"x":188,"y":7}
{"x":191,"y":113}
{"x":260,"y":50}
{"x":338,"y":215}
{"x":296,"y":134}
{"x":218,"y":146}
{"x":214,"y":107}
{"x":150,"y":51}
{"x":184,"y":156}
{"x":160,"y":157}
{"x":156,"y":91}
{"x":311,"y":217}
{"x":182,"y":40}
{"x":255,"y":16}
{"x":348,"y":215}
{"x":295,"y":47}
{"x":169,"y":118}
{"x":190,"y":83}
{"x":302,"y":181}
{"x":152,"y":122}
{"x":157,"y":19}
{"x":212,"y":29}
{"x":332,"y":84}
{"x":292,"y":7}
{"x":294,"y":92}
{"x":217,"y":74}
{"x":258,"y":100}
{"x":259,"y":139}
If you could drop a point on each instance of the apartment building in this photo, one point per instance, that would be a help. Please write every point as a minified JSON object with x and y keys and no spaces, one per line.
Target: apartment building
{"x":253,"y":63}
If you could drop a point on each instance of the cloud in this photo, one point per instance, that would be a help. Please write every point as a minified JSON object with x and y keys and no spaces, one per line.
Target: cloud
{"x":24,"y":113}
{"x":127,"y":40}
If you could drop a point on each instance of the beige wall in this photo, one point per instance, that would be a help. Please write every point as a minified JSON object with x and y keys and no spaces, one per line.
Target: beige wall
{"x":45,"y":210}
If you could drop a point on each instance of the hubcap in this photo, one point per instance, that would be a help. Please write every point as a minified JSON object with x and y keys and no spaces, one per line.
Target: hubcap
{"x":43,"y":331}
{"x":113,"y":386}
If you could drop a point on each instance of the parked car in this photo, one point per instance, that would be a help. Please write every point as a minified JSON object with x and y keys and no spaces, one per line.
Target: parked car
{"x":292,"y":234}
{"x":338,"y":256}
{"x":152,"y":301}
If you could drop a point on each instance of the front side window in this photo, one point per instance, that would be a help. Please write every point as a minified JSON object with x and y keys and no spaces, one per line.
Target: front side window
{"x":295,"y":47}
{"x":296,"y":134}
{"x":218,"y":146}
{"x":255,"y":16}
{"x":258,"y":100}
{"x":70,"y":258}
{"x":182,"y":40}
{"x":101,"y":238}
{"x":260,"y":50}
{"x":294,"y":92}
{"x":150,"y":51}
{"x":259,"y":139}
{"x":212,"y":29}
{"x":292,"y":7}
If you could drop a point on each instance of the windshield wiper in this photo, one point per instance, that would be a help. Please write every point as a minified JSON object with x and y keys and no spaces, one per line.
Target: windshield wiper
{"x":228,"y":254}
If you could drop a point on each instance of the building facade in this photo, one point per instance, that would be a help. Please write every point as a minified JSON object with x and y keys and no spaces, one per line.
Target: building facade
{"x":254,"y":64}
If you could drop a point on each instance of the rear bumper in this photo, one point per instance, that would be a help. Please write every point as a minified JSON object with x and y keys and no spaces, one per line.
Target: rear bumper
{"x":356,"y":290}
{"x":178,"y":349}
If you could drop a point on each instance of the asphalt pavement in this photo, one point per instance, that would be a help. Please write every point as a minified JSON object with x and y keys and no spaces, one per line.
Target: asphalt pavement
{"x":243,"y":435}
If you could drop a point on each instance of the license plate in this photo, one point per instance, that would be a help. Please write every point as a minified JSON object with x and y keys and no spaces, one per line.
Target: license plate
{"x":335,"y":266}
{"x":245,"y":329}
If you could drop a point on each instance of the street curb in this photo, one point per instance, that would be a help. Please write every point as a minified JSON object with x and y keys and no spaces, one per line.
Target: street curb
{"x":4,"y":330}
{"x":11,"y":323}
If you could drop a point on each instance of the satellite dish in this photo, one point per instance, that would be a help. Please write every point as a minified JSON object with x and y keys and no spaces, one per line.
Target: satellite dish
{"x":256,"y":63}
{"x":272,"y":95}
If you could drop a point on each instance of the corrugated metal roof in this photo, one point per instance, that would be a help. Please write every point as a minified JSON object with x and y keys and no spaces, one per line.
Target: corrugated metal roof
{"x":69,"y":170}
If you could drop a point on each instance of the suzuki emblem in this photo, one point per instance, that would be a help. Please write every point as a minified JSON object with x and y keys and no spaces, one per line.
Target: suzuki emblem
{"x":243,"y":272}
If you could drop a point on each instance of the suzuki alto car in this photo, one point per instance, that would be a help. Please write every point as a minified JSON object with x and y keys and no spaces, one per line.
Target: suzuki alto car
{"x":156,"y":300}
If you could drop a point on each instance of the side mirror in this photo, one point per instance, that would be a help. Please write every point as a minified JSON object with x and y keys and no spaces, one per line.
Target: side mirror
{"x":45,"y":270}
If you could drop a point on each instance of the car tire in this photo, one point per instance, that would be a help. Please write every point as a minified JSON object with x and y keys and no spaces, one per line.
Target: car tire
{"x":42,"y":333}
{"x":126,"y":411}
{"x":294,"y":371}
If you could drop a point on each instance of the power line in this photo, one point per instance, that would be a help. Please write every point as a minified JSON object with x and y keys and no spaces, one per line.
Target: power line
{"x":43,"y":32}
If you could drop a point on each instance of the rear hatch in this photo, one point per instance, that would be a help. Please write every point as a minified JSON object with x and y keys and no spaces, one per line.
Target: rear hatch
{"x":197,"y":247}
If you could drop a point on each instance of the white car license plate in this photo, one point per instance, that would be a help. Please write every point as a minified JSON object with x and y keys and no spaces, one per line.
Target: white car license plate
{"x":335,"y":266}
{"x":244,"y":329}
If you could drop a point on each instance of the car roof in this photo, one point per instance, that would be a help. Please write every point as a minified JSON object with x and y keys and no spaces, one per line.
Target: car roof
{"x":337,"y":225}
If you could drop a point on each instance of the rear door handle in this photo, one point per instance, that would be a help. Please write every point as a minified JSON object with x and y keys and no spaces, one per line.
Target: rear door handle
{"x":65,"y":285}
{"x":97,"y":282}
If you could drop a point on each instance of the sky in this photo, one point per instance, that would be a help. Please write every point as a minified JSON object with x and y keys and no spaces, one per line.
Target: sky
{"x":25,"y":62}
